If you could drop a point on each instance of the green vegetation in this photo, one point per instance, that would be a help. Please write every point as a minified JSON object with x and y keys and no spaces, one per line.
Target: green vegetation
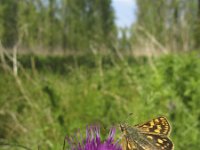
{"x":49,"y":104}
{"x":77,"y":26}
{"x":57,"y":24}
{"x":171,"y":25}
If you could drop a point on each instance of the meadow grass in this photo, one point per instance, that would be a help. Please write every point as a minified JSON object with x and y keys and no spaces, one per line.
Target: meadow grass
{"x":61,"y":95}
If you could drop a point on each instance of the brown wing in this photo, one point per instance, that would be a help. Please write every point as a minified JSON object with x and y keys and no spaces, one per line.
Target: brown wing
{"x":158,"y":126}
{"x":160,"y":142}
{"x":149,"y":142}
{"x":130,"y":144}
{"x":127,"y":144}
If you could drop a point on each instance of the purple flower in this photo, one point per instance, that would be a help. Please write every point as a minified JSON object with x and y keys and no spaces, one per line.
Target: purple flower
{"x":93,"y":141}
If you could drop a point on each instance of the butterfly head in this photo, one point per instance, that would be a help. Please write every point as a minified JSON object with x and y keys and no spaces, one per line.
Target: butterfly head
{"x":124,"y":126}
{"x":127,"y":130}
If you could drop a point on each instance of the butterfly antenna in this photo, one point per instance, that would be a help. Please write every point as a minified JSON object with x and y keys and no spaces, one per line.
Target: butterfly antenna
{"x":129,"y":115}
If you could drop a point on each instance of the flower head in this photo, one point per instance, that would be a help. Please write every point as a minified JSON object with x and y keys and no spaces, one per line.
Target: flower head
{"x":93,"y":141}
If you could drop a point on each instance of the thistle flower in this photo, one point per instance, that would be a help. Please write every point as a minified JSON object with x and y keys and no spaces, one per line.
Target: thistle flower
{"x":93,"y":141}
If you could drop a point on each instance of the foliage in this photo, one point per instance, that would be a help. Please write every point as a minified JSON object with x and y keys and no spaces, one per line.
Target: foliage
{"x":9,"y":19}
{"x":49,"y":104}
{"x":174,"y":24}
{"x":63,"y":24}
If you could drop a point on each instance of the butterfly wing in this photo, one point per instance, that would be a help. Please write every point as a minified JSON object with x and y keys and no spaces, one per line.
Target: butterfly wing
{"x":135,"y":144}
{"x":158,"y":126}
{"x":134,"y":140}
{"x":155,"y":132}
{"x":149,"y":142}
{"x":128,"y":144}
{"x":151,"y":135}
{"x":160,"y":142}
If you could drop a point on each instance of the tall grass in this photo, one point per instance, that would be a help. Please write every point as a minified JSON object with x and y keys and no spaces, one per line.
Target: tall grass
{"x":67,"y":94}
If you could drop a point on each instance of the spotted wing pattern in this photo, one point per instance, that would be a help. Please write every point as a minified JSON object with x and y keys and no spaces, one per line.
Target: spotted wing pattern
{"x":160,"y":142}
{"x":153,"y":135}
{"x":158,"y":125}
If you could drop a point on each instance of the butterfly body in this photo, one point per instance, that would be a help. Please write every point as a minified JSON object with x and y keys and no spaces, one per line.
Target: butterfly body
{"x":151,"y":135}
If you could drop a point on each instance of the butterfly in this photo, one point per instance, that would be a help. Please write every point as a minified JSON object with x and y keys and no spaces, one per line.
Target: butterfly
{"x":152,"y":135}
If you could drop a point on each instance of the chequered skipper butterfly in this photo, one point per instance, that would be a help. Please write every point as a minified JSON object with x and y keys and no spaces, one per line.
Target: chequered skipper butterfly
{"x":152,"y":135}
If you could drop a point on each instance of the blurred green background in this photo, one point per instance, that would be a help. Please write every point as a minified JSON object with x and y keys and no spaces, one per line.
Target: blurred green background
{"x":65,"y":64}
